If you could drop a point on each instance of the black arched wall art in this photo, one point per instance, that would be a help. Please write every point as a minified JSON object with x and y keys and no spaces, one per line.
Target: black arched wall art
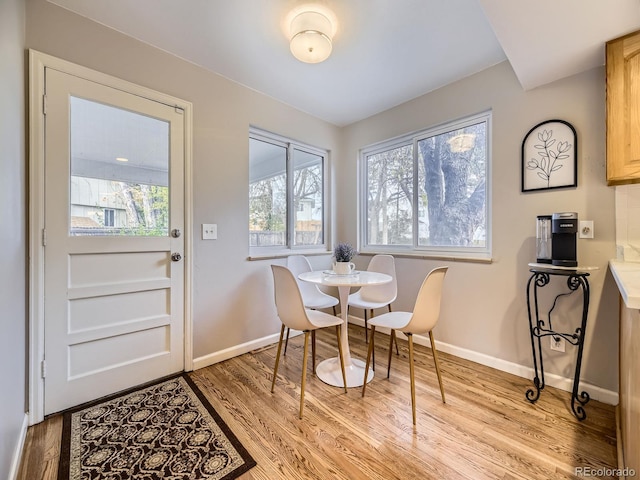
{"x":550,"y":156}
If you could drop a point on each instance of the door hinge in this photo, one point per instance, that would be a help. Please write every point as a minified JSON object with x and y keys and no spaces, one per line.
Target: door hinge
{"x":43,"y":369}
{"x":44,"y":237}
{"x":44,"y":104}
{"x":179,"y":110}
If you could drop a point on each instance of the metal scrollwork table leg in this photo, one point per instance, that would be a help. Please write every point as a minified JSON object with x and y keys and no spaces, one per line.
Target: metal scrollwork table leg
{"x":541,"y":277}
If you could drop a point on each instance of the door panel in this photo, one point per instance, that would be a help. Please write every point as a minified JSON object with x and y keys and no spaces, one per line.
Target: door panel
{"x":114,"y":299}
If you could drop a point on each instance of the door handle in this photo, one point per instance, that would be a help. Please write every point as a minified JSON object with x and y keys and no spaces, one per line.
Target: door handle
{"x":176,"y":257}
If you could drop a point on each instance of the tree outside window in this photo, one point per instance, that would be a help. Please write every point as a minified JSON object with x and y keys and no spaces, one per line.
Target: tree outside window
{"x":428,"y":191}
{"x":389,"y":196}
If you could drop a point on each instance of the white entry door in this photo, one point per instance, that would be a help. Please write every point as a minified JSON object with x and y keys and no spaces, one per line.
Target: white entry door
{"x":114,"y":218}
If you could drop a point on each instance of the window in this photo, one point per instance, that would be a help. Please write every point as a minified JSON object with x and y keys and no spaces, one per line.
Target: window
{"x":286,"y":194}
{"x":109,"y":217}
{"x":428,"y":192}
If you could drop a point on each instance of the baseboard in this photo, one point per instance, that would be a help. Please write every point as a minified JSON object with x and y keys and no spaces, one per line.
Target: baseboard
{"x":234,"y":351}
{"x":597,"y":393}
{"x":17,"y":454}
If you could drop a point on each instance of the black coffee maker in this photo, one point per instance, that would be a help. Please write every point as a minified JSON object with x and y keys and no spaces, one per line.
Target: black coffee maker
{"x":564,"y":230}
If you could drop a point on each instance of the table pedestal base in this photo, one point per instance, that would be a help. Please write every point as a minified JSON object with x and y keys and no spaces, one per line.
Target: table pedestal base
{"x":330,"y":373}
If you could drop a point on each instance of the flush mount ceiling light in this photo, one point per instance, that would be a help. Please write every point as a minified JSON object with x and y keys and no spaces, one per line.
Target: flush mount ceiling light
{"x":311,"y":33}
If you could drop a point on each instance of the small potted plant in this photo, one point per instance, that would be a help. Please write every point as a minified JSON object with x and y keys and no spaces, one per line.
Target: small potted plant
{"x":342,"y":254}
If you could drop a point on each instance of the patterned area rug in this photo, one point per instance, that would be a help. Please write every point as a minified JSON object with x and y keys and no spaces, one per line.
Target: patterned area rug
{"x":163,"y":431}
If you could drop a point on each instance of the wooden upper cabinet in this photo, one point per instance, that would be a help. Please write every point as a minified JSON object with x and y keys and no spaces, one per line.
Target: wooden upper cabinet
{"x":623,"y":110}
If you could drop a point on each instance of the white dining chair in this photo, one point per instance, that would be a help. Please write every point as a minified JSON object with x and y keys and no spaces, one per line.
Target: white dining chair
{"x":376,"y":296}
{"x":312,"y":296}
{"x":293,"y":314}
{"x":422,"y":320}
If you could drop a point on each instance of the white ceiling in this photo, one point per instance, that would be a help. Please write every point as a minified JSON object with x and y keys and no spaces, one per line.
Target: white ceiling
{"x":385,"y":52}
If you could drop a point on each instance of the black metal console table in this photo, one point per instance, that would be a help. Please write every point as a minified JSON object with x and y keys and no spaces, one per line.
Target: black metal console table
{"x":538,"y":328}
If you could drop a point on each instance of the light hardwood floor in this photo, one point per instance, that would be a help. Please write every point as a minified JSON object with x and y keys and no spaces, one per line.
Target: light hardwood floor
{"x":486,"y":430}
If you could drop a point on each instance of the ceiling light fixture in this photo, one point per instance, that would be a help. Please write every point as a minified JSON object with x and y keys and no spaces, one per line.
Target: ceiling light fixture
{"x":462,"y":142}
{"x":122,"y":159}
{"x":311,"y":34}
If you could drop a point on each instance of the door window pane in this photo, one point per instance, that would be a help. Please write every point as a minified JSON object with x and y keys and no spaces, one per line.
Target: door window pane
{"x":119,"y":172}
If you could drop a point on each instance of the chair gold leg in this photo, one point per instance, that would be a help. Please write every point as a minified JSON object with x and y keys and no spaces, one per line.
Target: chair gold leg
{"x":413,"y":380}
{"x":275,"y":370}
{"x":344,"y":373}
{"x":366,"y":368}
{"x":396,"y":338}
{"x":286,"y":343}
{"x":435,"y":361}
{"x":304,"y":371}
{"x":313,"y":351}
{"x":393,"y":337}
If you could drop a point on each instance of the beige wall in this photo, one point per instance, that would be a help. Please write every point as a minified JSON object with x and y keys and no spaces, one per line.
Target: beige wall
{"x":484,"y":308}
{"x":13,"y":215}
{"x":484,"y":313}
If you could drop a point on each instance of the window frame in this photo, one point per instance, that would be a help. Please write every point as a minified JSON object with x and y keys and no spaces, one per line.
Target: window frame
{"x":412,"y":138}
{"x":290,"y":146}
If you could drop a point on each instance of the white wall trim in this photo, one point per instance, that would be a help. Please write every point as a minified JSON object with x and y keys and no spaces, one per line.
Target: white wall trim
{"x":553,"y":380}
{"x":237,"y":350}
{"x":17,"y":453}
{"x":36,"y":224}
{"x":189,"y":237}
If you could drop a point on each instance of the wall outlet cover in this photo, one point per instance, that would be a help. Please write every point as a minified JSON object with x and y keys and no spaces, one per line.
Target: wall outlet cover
{"x":209,"y":231}
{"x":557,"y":343}
{"x":585,"y":229}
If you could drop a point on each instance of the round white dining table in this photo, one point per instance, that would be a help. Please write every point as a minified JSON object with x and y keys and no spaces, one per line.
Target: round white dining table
{"x":329,"y":370}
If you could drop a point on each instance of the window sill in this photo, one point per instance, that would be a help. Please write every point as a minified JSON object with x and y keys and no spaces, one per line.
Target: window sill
{"x":430,"y":256}
{"x":285,"y":254}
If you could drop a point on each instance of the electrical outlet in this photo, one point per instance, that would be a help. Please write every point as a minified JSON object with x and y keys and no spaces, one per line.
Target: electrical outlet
{"x":557,"y":343}
{"x":209,"y":231}
{"x":585,"y":229}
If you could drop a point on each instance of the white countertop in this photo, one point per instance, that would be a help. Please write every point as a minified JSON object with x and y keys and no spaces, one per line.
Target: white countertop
{"x":627,"y":276}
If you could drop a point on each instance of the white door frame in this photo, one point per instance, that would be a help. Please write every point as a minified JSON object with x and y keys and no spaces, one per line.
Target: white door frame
{"x":37,"y":63}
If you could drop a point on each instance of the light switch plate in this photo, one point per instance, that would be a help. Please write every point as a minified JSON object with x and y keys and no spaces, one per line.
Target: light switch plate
{"x":209,"y":231}
{"x":585,"y":229}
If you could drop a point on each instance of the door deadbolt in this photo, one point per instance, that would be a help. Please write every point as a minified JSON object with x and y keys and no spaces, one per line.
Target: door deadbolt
{"x":176,"y":257}
{"x":175,"y":233}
